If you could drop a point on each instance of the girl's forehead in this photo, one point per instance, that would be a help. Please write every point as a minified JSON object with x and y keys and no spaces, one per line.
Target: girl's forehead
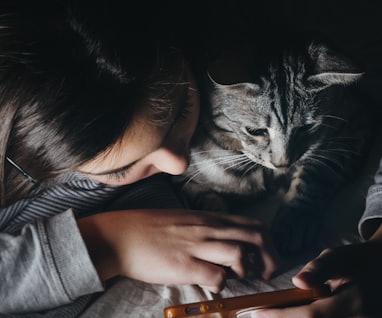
{"x":148,"y":129}
{"x":140,"y":139}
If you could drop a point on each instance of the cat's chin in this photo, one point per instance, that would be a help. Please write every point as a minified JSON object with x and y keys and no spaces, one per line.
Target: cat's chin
{"x":282,"y":170}
{"x":275,"y":170}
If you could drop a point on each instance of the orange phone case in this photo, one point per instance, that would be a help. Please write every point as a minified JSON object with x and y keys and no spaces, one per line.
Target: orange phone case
{"x":237,"y":306}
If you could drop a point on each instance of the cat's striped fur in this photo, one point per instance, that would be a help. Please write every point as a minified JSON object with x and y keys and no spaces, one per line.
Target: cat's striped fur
{"x":292,"y":127}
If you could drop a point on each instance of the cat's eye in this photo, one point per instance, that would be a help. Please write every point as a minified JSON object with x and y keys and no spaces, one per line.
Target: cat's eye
{"x":257,"y":132}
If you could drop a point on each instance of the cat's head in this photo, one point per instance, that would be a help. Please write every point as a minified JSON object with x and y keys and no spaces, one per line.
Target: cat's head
{"x":278,"y":111}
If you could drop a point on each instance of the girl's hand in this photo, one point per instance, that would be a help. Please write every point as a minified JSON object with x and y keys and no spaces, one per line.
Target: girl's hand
{"x":353,"y":273}
{"x":177,"y":246}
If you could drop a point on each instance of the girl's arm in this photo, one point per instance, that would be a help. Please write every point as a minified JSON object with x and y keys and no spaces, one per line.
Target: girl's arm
{"x":46,"y":265}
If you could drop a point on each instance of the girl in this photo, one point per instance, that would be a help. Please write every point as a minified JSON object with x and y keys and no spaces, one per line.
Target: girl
{"x":89,"y":108}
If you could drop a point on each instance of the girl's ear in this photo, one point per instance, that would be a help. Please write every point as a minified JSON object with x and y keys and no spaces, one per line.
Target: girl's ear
{"x":331,"y":68}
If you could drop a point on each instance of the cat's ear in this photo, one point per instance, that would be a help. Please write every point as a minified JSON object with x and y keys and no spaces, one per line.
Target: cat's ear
{"x":244,"y":86}
{"x":331,"y":68}
{"x":230,"y":71}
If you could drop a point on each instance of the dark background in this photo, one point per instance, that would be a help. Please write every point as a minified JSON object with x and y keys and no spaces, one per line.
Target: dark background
{"x":354,"y":26}
{"x":204,"y":27}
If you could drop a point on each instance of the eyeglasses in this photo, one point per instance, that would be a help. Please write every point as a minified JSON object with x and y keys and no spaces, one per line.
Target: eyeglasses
{"x":21,"y":170}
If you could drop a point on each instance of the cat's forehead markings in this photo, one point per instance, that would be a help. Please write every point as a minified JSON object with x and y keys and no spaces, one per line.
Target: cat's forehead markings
{"x":269,"y":120}
{"x":278,"y":97}
{"x":278,"y":113}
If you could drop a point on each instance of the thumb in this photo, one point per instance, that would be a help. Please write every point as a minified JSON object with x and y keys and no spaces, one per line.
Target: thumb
{"x":318,"y":271}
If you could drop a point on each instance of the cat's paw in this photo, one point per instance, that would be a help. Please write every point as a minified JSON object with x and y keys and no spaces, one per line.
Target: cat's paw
{"x":295,"y":230}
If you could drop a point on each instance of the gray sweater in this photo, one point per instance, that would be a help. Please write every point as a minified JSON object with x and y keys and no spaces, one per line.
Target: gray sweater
{"x":372,"y":215}
{"x":44,"y":263}
{"x":45,"y":269}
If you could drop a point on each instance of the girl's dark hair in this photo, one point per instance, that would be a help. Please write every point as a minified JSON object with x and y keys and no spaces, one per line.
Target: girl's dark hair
{"x":69,"y":87}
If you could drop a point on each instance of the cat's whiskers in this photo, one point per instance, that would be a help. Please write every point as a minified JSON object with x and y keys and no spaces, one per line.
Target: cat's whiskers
{"x":232,"y":161}
{"x":339,"y":145}
{"x":319,"y":159}
{"x":327,"y":154}
{"x":328,"y":126}
{"x":245,"y":160}
{"x":206,"y":152}
{"x":219,"y":160}
{"x":204,"y":165}
{"x":340,"y":150}
{"x":335,"y":117}
{"x":343,"y":138}
{"x":331,"y":151}
{"x":251,"y":165}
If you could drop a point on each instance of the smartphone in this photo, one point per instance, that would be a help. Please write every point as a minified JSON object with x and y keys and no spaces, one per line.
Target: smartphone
{"x":240,"y":306}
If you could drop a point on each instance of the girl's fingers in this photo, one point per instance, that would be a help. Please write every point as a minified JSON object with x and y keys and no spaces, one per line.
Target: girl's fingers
{"x":353,"y":261}
{"x":295,"y":312}
{"x":251,"y":241}
{"x":227,"y":254}
{"x":249,"y":235}
{"x":207,"y":275}
{"x":317,"y":271}
{"x":217,"y":260}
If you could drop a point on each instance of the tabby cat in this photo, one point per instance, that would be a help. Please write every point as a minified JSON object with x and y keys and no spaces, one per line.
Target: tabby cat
{"x":289,"y":126}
